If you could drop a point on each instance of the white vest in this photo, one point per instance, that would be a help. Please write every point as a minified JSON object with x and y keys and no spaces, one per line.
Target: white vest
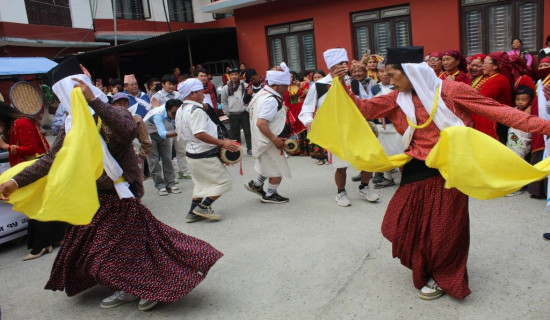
{"x":260,"y":142}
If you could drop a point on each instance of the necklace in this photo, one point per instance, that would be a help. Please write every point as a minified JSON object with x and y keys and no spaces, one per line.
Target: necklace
{"x":293,"y":94}
{"x":432,"y":114}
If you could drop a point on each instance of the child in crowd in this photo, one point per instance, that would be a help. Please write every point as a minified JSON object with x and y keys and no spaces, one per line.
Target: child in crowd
{"x":519,"y":141}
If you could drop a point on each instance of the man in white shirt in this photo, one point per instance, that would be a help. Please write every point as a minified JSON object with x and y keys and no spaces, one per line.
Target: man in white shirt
{"x":314,"y":99}
{"x":269,"y":131}
{"x":233,"y":106}
{"x":209,"y":174}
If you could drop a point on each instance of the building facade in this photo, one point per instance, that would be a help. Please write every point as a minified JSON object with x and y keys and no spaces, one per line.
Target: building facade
{"x":298,"y":32}
{"x":56,"y":28}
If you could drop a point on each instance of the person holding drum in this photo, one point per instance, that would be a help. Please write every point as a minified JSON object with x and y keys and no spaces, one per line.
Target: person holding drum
{"x":269,"y":131}
{"x":22,"y":138}
{"x":209,"y":174}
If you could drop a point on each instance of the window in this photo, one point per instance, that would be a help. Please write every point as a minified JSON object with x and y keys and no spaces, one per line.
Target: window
{"x":377,"y":30}
{"x":180,"y":10}
{"x":218,"y":16}
{"x":293,"y":43}
{"x":490,"y":25}
{"x":49,"y":12}
{"x":132,"y":9}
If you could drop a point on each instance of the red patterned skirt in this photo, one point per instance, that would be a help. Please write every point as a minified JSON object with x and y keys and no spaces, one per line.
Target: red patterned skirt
{"x":126,"y":248}
{"x":428,"y":227}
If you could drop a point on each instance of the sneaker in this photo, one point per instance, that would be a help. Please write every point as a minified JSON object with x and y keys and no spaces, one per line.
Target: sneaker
{"x":146,"y":304}
{"x":184,"y":175}
{"x":250,"y":186}
{"x":191,"y":217}
{"x":383,"y":184}
{"x":395,"y":175}
{"x":430,"y":291}
{"x":249,"y":152}
{"x":342,"y":199}
{"x":206,"y":212}
{"x":365,"y":193}
{"x":174,"y":190}
{"x":116,"y":299}
{"x":274,"y":198}
{"x":546,"y":236}
{"x":356,"y":178}
{"x":163,"y":192}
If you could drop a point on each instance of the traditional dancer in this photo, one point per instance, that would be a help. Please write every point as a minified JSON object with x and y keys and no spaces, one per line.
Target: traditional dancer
{"x":209,"y":174}
{"x":314,"y":99}
{"x":428,"y":224}
{"x":124,"y":247}
{"x":268,"y":121}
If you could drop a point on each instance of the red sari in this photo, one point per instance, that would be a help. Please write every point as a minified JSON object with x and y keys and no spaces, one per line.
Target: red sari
{"x":26,"y":141}
{"x":294,"y":101}
{"x":459,"y":76}
{"x":496,"y":87}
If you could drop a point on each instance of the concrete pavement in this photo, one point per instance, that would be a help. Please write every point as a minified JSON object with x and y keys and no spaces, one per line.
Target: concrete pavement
{"x":310,"y":259}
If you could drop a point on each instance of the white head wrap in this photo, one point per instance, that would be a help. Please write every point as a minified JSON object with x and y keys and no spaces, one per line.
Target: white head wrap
{"x":62,"y":90}
{"x":279,"y":77}
{"x":424,"y":82}
{"x":190,"y":85}
{"x":335,"y":56}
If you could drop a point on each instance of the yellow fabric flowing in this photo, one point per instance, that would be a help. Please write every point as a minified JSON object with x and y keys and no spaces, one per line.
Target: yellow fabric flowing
{"x":480,"y":166}
{"x":340,"y":128}
{"x":69,"y":192}
{"x":467,"y":159}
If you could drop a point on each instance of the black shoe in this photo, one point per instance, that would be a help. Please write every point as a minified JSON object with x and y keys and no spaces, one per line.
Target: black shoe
{"x":356,"y":178}
{"x":274,"y":198}
{"x":250,"y":186}
{"x":546,"y":236}
{"x":191,"y":217}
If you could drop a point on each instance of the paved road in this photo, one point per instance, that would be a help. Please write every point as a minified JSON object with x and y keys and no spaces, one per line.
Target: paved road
{"x":310,"y":259}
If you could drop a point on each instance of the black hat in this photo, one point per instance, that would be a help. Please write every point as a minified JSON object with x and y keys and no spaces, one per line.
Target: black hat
{"x":232,"y":70}
{"x":525,"y":90}
{"x":67,"y":68}
{"x":405,"y":55}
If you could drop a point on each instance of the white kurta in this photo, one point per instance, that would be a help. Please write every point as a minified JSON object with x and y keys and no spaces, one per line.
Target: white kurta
{"x":270,"y":161}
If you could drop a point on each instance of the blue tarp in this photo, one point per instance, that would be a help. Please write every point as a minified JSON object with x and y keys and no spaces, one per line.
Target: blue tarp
{"x":24,"y":65}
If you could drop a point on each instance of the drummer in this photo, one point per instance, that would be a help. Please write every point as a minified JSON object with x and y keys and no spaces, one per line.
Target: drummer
{"x":209,"y":174}
{"x":269,"y":130}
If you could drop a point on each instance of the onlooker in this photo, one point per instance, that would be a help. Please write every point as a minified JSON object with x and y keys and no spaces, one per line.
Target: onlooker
{"x":233,"y":105}
{"x":255,"y":84}
{"x":168,"y":82}
{"x":160,"y":124}
{"x":544,"y":52}
{"x":139,"y":101}
{"x":242,"y":69}
{"x":517,"y":50}
{"x":209,"y":89}
{"x":154,"y":86}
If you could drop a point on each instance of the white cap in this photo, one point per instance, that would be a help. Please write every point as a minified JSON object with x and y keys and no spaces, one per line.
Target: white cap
{"x":275,"y":77}
{"x":190,"y":85}
{"x":335,"y":56}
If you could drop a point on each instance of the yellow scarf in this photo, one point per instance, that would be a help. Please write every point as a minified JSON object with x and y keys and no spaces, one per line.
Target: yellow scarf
{"x":69,"y":192}
{"x":460,"y":154}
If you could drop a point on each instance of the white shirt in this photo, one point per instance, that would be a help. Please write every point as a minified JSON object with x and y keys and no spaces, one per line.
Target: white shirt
{"x":269,"y":108}
{"x":190,"y":122}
